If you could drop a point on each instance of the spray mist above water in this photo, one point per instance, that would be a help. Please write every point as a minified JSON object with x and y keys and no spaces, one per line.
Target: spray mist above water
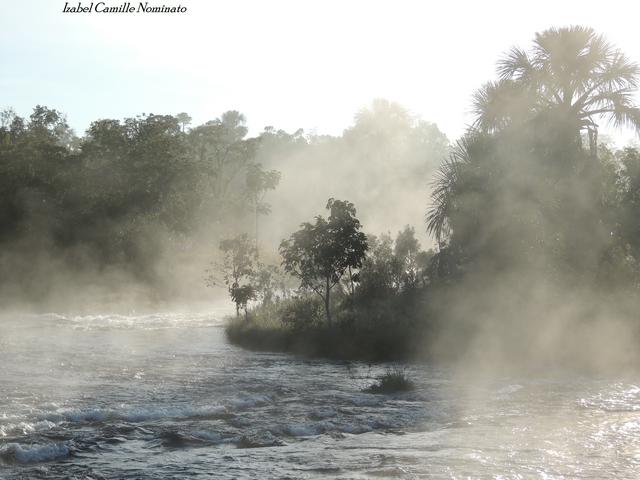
{"x":380,"y":303}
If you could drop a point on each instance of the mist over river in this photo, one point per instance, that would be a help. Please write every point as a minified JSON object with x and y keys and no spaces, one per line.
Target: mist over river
{"x":166,"y":396}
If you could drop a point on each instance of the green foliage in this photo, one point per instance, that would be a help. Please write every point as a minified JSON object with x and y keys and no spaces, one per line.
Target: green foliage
{"x":238,"y":269}
{"x":125,"y":191}
{"x":241,"y":295}
{"x":238,"y":258}
{"x":392,"y":267}
{"x":383,"y":317}
{"x":393,"y":381}
{"x":520,"y":192}
{"x":629,"y":199}
{"x":571,"y":72}
{"x":245,"y":278}
{"x":302,"y":313}
{"x":144,"y":169}
{"x":183,"y":119}
{"x":258,"y":183}
{"x":134,"y":193}
{"x":319,"y":254}
{"x":395,"y":328}
{"x":222,"y":155}
{"x":270,"y":283}
{"x":406,"y":252}
{"x":526,"y":203}
{"x":381,"y":269}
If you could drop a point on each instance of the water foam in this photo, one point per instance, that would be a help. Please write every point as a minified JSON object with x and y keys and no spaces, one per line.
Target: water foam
{"x":135,"y":414}
{"x":14,"y":452}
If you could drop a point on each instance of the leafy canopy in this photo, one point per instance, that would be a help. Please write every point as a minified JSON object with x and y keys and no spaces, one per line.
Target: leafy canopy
{"x":572,"y":70}
{"x":319,"y":253}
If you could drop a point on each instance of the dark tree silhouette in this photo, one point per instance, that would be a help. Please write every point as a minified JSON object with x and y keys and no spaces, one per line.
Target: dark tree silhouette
{"x":571,"y":71}
{"x":258,"y":183}
{"x":238,"y":268}
{"x":319,"y":253}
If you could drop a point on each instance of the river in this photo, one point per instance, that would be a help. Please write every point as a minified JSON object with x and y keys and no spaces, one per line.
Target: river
{"x":166,"y":396}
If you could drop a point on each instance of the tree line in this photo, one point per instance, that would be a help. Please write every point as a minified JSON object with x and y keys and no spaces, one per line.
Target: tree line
{"x":530,"y":195}
{"x":130,"y":194}
{"x":103,"y":190}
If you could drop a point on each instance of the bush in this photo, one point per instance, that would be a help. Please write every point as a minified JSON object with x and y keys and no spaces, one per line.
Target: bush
{"x":392,"y":381}
{"x":392,"y":328}
{"x":302,"y":313}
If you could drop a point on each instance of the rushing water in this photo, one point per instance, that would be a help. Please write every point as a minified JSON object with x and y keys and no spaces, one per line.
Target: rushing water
{"x":165,"y":396}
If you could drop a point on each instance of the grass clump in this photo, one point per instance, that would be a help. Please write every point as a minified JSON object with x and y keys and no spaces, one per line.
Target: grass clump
{"x":393,"y":381}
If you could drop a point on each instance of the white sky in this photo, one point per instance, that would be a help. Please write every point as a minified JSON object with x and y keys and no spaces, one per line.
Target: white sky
{"x":286,"y":63}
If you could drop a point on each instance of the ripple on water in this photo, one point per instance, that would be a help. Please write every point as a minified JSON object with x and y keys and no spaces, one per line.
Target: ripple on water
{"x":165,"y":396}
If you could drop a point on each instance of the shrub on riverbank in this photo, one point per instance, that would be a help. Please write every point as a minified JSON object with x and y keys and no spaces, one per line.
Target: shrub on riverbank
{"x":359,"y":297}
{"x":377,"y":330}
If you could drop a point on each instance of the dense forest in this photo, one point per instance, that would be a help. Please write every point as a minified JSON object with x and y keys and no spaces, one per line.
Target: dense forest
{"x":142,"y":203}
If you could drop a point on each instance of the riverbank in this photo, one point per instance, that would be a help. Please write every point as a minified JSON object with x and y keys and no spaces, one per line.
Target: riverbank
{"x":389,"y":330}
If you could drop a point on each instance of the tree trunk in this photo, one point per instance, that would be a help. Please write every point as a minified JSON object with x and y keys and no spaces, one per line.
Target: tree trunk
{"x":327,"y":303}
{"x":257,"y":254}
{"x":237,"y":310}
{"x":351,"y":281}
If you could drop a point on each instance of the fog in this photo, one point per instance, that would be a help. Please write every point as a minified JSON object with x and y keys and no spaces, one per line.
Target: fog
{"x":533,"y":263}
{"x":179,"y":298}
{"x":127,"y":250}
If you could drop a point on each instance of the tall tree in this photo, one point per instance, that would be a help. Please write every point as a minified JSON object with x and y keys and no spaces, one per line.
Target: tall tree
{"x":258,"y":183}
{"x":222,"y":153}
{"x":183,"y":119}
{"x":319,"y":254}
{"x":238,"y":268}
{"x":522,"y":165}
{"x":406,"y":251}
{"x":573,"y":73}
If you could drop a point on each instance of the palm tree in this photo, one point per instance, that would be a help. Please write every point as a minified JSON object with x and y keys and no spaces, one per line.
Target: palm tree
{"x":572,"y":73}
{"x":444,"y":191}
{"x":498,"y":104}
{"x":571,"y":69}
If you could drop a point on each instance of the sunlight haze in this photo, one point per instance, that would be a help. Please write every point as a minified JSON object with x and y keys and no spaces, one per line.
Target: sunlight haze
{"x":289,"y":64}
{"x":266,"y":239}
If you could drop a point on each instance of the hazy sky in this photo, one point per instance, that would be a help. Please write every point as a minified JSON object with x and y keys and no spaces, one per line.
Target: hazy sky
{"x":290,"y":64}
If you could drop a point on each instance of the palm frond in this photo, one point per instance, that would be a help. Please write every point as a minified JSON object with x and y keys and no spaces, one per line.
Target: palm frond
{"x":571,"y":67}
{"x":515,"y":65}
{"x":626,"y":117}
{"x":619,"y":72}
{"x":496,"y":104}
{"x":444,"y":188}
